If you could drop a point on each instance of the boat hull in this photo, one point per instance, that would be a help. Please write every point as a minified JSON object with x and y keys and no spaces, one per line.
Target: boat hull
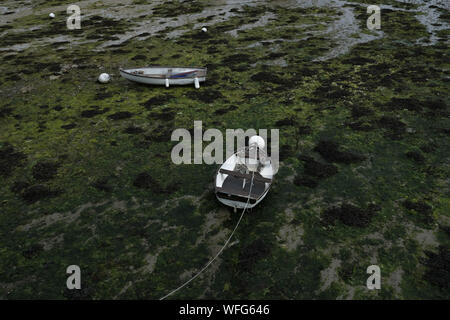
{"x":233,"y":189}
{"x":161,"y":80}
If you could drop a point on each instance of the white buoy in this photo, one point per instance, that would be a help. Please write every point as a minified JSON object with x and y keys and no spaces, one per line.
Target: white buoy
{"x":196,"y":83}
{"x":51,"y":15}
{"x":204,"y":29}
{"x":258,"y":140}
{"x":167,"y":83}
{"x":104,"y":78}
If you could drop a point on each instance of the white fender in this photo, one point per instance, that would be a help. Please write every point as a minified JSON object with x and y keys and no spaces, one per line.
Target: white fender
{"x":167,"y":83}
{"x":197,"y":83}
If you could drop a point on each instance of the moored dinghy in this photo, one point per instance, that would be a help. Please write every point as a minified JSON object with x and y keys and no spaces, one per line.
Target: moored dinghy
{"x":244,"y":179}
{"x":167,"y":76}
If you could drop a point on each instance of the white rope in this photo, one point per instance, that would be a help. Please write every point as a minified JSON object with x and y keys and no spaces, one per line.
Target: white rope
{"x":220,"y":251}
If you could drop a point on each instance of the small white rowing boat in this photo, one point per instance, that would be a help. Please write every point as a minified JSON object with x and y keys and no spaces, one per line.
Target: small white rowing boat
{"x":167,"y":76}
{"x":245,"y":178}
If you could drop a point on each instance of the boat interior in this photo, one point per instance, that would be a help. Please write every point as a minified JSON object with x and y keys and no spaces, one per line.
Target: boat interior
{"x":236,"y":185}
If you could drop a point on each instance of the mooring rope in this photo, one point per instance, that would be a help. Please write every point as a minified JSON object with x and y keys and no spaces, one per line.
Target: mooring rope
{"x":220,"y":251}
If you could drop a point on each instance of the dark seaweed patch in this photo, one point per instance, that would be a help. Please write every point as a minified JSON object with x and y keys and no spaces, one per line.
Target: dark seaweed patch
{"x":13,"y":77}
{"x":206,"y":96}
{"x":94,"y":111}
{"x":139,"y":57}
{"x":438,"y":266}
{"x":428,"y":147}
{"x":435,"y":105}
{"x":329,"y":150}
{"x":306,"y":181}
{"x":271,"y":77}
{"x":225,"y":110}
{"x":301,"y":130}
{"x":285,"y":122}
{"x":331,"y":92}
{"x":157,"y":101}
{"x":160,"y":134}
{"x":9,"y":159}
{"x":102,"y":184}
{"x":286,"y":151}
{"x":19,"y":186}
{"x":5,"y":111}
{"x":106,"y":26}
{"x":175,"y":8}
{"x":199,"y":35}
{"x":33,"y":251}
{"x":318,"y":169}
{"x":358,"y":61}
{"x":424,"y":210}
{"x":252,"y":253}
{"x":120,"y":115}
{"x":349,"y":215}
{"x":395,"y":127}
{"x":38,"y":192}
{"x":275,"y":55}
{"x":51,"y":66}
{"x":45,"y":170}
{"x":133,"y":130}
{"x":360,"y":126}
{"x":212,"y":50}
{"x":145,"y":181}
{"x":103,"y":95}
{"x":69,"y":126}
{"x":404,"y":103}
{"x":236,"y":58}
{"x":218,"y":41}
{"x":446,"y":229}
{"x":166,"y":114}
{"x":416,"y":156}
{"x":359,"y":111}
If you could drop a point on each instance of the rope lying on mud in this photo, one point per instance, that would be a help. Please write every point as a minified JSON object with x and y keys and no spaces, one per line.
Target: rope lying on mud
{"x":220,"y":251}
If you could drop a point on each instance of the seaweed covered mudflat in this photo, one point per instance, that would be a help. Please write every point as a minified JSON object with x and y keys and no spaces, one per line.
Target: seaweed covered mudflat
{"x":86,"y":170}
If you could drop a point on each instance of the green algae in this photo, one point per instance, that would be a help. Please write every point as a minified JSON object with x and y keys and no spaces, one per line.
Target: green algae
{"x":73,"y":145}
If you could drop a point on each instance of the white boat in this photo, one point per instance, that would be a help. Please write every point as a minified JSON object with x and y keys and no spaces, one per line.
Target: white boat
{"x":244,"y":179}
{"x":167,"y":76}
